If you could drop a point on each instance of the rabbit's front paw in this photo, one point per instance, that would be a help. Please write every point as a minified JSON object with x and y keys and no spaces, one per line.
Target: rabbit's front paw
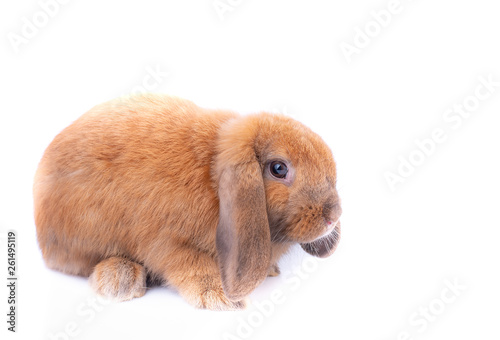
{"x":208,"y":294}
{"x":216,"y":300}
{"x":274,"y":270}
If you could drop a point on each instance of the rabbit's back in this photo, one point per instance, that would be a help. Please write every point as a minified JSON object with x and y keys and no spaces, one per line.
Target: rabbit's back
{"x":129,"y":178}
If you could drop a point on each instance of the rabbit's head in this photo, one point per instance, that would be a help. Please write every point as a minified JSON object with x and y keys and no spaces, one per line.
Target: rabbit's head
{"x":276,"y":183}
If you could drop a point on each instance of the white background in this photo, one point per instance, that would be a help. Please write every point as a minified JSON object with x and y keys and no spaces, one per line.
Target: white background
{"x":400,"y":248}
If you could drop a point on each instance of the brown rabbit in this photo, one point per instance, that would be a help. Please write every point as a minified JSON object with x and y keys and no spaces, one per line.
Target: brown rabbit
{"x":205,"y":201}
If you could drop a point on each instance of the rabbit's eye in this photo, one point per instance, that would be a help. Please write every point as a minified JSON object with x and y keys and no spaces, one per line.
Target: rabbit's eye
{"x":278,"y":169}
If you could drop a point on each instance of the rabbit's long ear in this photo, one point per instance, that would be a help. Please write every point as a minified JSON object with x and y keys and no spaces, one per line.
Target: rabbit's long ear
{"x":243,"y":237}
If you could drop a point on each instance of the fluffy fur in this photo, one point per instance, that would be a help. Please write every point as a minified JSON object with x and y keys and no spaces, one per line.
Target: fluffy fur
{"x":157,"y":186}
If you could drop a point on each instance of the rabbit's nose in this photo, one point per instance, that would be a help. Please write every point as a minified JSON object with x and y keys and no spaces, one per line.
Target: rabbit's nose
{"x":333,"y":215}
{"x":330,"y":222}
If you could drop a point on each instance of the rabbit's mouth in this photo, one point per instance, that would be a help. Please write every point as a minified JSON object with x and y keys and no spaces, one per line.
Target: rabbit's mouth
{"x":324,"y":246}
{"x":303,"y":230}
{"x":330,"y":227}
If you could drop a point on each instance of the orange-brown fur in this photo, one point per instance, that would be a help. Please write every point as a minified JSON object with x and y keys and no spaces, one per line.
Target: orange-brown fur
{"x":157,"y":183}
